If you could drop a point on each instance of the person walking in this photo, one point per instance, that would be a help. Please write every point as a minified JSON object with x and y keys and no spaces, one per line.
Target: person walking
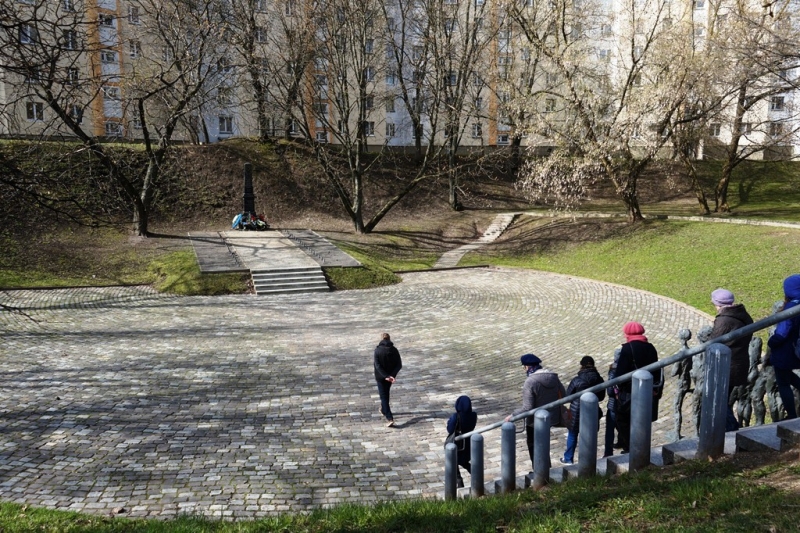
{"x":781,"y":344}
{"x":541,"y":387}
{"x":462,"y":421}
{"x":588,"y":376}
{"x":635,"y":353}
{"x":611,"y":410}
{"x":730,"y":317}
{"x":387,"y":365}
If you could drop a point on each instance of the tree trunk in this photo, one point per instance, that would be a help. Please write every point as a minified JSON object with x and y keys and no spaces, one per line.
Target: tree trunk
{"x":721,"y":190}
{"x":686,"y":158}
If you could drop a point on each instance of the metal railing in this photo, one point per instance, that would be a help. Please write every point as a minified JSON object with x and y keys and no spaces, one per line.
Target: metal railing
{"x":711,"y":433}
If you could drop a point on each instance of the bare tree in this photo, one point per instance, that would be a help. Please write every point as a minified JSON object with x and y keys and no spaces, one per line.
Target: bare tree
{"x":610,"y":97}
{"x":67,"y":80}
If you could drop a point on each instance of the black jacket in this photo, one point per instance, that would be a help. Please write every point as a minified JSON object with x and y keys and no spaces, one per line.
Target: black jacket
{"x":727,"y":320}
{"x":387,"y":360}
{"x":636,"y":354}
{"x":587,"y":377}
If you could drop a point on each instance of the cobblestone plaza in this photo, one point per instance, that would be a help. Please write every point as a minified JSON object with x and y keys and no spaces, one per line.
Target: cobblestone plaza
{"x":243,"y":406}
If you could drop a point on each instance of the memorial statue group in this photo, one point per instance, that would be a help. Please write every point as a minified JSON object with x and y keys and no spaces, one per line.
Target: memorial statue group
{"x":756,"y":384}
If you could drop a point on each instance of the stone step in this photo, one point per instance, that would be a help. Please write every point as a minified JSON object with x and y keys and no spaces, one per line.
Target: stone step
{"x":289,"y":279}
{"x":267,"y":278}
{"x":281,"y":284}
{"x":286,"y":270}
{"x":758,"y":439}
{"x":789,"y":433}
{"x":293,"y":290}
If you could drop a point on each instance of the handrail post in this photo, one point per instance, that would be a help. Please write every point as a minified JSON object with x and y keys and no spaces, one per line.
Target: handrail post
{"x":714,"y":407}
{"x":641,"y":419}
{"x":508,"y":457}
{"x":541,"y":448}
{"x":587,"y":435}
{"x":476,"y":466}
{"x":450,"y":471}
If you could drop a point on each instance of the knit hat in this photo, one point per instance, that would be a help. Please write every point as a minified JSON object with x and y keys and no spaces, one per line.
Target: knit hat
{"x":791,"y":287}
{"x":587,"y":361}
{"x":530,"y":360}
{"x":634,"y":332}
{"x":722,"y":297}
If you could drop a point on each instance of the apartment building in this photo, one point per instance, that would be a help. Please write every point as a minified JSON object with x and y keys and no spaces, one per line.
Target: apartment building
{"x":471,"y":73}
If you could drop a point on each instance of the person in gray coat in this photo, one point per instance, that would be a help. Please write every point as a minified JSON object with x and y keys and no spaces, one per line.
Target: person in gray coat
{"x":541,"y":387}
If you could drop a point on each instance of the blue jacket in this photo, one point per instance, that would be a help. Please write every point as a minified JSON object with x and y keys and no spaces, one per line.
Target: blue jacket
{"x":781,"y":343}
{"x":469,"y":419}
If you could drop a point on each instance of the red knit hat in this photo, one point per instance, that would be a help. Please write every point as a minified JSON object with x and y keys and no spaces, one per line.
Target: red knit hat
{"x":634,"y":332}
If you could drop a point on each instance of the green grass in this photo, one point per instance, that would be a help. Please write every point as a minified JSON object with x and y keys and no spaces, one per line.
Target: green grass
{"x":179,"y":273}
{"x":698,"y":496}
{"x":680,"y":260}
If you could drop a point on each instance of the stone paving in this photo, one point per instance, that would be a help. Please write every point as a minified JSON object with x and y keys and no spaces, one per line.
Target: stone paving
{"x":239,"y":407}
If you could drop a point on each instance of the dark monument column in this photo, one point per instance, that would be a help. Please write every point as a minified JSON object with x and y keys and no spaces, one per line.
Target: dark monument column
{"x":249,"y":197}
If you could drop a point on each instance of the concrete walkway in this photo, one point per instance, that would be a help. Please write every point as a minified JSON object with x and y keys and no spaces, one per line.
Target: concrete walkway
{"x":240,"y":407}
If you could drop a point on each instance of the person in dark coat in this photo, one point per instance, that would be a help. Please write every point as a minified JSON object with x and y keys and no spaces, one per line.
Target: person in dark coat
{"x":588,"y":376}
{"x":541,"y":387}
{"x":781,"y":345}
{"x":730,"y":317}
{"x":634,"y":354}
{"x":462,"y":421}
{"x":611,"y":411}
{"x":387,"y":365}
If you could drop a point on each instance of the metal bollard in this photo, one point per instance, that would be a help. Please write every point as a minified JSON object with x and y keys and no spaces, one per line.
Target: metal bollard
{"x":714,"y":407}
{"x":508,"y":457}
{"x":541,"y":448}
{"x":641,"y":419}
{"x":450,"y":470}
{"x":476,"y":466}
{"x":589,"y":424}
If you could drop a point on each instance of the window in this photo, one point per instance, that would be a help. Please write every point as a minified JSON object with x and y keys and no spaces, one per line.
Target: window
{"x":777,"y":103}
{"x":73,"y":76}
{"x":113,"y":129}
{"x":479,"y":2}
{"x":550,"y":105}
{"x":637,"y":53}
{"x":699,"y":31}
{"x":369,"y":128}
{"x":369,"y":45}
{"x":638,"y":27}
{"x":416,"y":53}
{"x":699,"y":4}
{"x":452,"y":79}
{"x":108,"y":56}
{"x":320,"y":63}
{"x":167,"y":53}
{"x":390,"y":129}
{"x":111,"y":93}
{"x":369,"y":73}
{"x":261,"y":6}
{"x":369,"y":103}
{"x":479,"y":103}
{"x":746,"y":128}
{"x":449,"y":25}
{"x":477,"y":130}
{"x":321,"y":108}
{"x":33,"y":75}
{"x":605,"y":30}
{"x":391,"y":24}
{"x":133,"y":15}
{"x":69,"y":39}
{"x":34,"y":111}
{"x":322,"y":137}
{"x":390,"y":108}
{"x":477,"y":81}
{"x":637,"y":80}
{"x":261,"y":35}
{"x":225,"y":125}
{"x":667,"y":22}
{"x":450,"y":1}
{"x":502,"y":138}
{"x":136,"y":123}
{"x":391,"y":77}
{"x":293,"y":128}
{"x":68,"y":5}
{"x":107,"y":20}
{"x":604,"y":55}
{"x":714,"y":129}
{"x":27,"y":34}
{"x":775,"y":129}
{"x":134,"y":49}
{"x":76,"y":112}
{"x":224,"y":96}
{"x":289,"y":8}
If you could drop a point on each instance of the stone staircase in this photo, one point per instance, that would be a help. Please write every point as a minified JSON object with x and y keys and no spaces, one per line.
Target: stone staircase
{"x":776,"y":437}
{"x":289,"y":280}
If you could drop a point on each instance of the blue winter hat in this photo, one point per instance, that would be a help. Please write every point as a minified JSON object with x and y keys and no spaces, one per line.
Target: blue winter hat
{"x":530,"y":360}
{"x":791,"y":287}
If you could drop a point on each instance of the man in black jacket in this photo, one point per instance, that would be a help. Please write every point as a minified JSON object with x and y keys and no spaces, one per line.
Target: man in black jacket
{"x":730,"y":317}
{"x":387,"y":365}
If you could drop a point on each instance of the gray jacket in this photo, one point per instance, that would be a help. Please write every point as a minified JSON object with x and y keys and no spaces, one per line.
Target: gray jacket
{"x":542,"y":387}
